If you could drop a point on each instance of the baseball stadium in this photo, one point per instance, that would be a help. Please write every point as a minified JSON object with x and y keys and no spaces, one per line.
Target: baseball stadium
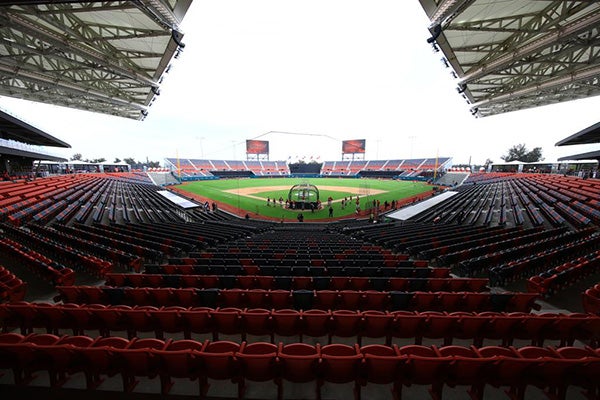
{"x":247,"y":277}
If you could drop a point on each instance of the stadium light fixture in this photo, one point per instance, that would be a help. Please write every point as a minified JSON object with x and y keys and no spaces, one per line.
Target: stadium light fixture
{"x":177,"y":36}
{"x":436,"y":31}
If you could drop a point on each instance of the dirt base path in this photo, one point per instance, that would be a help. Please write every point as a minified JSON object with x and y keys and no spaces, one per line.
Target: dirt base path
{"x":251,"y":191}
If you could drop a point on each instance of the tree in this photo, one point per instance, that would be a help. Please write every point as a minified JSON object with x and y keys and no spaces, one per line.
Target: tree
{"x":97,"y":160}
{"x":76,"y":157}
{"x":520,"y":153}
{"x":117,"y":160}
{"x":130,"y":161}
{"x":154,"y":164}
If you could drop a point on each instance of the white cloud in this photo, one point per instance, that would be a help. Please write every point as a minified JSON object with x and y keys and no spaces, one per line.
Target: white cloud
{"x":344,"y":68}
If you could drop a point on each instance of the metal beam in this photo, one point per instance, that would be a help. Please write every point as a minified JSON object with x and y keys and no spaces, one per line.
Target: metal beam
{"x":159,"y":12}
{"x":19,"y":72}
{"x":549,"y":39}
{"x":59,"y":42}
{"x":447,"y":10}
{"x":593,"y":72}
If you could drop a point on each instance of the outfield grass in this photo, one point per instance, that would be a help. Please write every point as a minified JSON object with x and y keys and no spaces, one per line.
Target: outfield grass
{"x":234,"y":193}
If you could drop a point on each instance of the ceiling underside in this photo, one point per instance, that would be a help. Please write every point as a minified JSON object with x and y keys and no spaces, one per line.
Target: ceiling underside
{"x":13,"y":128}
{"x":588,"y":135}
{"x":517,"y":54}
{"x":101,"y":56}
{"x":29,"y":153}
{"x":592,"y":155}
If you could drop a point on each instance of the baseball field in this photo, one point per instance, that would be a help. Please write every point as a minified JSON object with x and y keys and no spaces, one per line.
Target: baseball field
{"x":250,"y":195}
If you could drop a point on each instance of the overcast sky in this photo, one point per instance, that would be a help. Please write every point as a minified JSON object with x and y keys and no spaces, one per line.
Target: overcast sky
{"x":343,"y":69}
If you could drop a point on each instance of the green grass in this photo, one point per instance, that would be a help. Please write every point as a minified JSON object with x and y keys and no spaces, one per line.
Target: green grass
{"x":216,"y":190}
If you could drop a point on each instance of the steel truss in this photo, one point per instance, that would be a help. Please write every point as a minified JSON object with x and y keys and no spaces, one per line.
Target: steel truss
{"x":519,"y":54}
{"x":101,"y":56}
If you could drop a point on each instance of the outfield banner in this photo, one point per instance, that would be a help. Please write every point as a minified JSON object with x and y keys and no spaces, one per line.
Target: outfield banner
{"x":353,"y":146}
{"x":257,"y":147}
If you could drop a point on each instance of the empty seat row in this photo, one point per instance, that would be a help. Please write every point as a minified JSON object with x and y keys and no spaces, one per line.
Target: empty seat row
{"x":533,"y":263}
{"x":591,"y":299}
{"x":503,"y":328}
{"x":301,"y":299}
{"x":417,"y":272}
{"x":242,"y":363}
{"x":298,"y":282}
{"x":170,"y":249}
{"x":66,"y":233}
{"x":75,"y":256}
{"x":37,"y":263}
{"x":11,"y":287}
{"x":555,"y":279}
{"x":260,"y":259}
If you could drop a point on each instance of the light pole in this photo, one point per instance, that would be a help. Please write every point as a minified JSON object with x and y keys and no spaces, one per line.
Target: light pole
{"x":200,"y":139}
{"x":412,"y":142}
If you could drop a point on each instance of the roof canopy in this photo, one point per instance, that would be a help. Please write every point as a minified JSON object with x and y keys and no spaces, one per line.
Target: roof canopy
{"x":591,"y":155}
{"x":588,"y":135}
{"x":516,"y":54}
{"x":28,"y":152}
{"x":101,"y":56}
{"x":12,"y":128}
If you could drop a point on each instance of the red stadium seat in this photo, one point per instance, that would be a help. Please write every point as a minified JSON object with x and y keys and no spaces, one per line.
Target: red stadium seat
{"x":287,"y":322}
{"x":219,"y":362}
{"x":168,"y":319}
{"x":584,"y":369}
{"x":384,"y":365}
{"x":226,"y":320}
{"x":258,"y":362}
{"x":377,"y":324}
{"x":256,"y":321}
{"x":280,"y":298}
{"x":8,"y":357}
{"x":196,"y":320}
{"x":375,"y":300}
{"x":316,"y":322}
{"x":29,"y":358}
{"x":408,"y":324}
{"x":299,"y":363}
{"x":507,"y":369}
{"x":179,"y":359}
{"x":425,"y":366}
{"x":326,"y":299}
{"x":138,"y":360}
{"x":139,"y":319}
{"x":63,"y":357}
{"x":466,"y":367}
{"x":439,"y":325}
{"x":345,"y":323}
{"x":340,"y":363}
{"x":256,"y":297}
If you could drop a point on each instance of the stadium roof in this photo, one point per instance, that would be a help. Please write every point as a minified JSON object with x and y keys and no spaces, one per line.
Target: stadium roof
{"x":516,"y":54}
{"x":592,"y":155}
{"x":588,"y":135}
{"x":12,"y":128}
{"x":28,"y":152}
{"x":102,"y":56}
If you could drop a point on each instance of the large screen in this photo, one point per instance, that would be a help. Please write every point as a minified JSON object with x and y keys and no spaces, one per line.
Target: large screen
{"x":257,"y":147}
{"x":353,"y":146}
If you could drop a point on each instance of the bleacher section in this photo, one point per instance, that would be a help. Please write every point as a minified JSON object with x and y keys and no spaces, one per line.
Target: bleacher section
{"x":207,"y":168}
{"x":422,"y":307}
{"x":520,"y":199}
{"x":190,"y":168}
